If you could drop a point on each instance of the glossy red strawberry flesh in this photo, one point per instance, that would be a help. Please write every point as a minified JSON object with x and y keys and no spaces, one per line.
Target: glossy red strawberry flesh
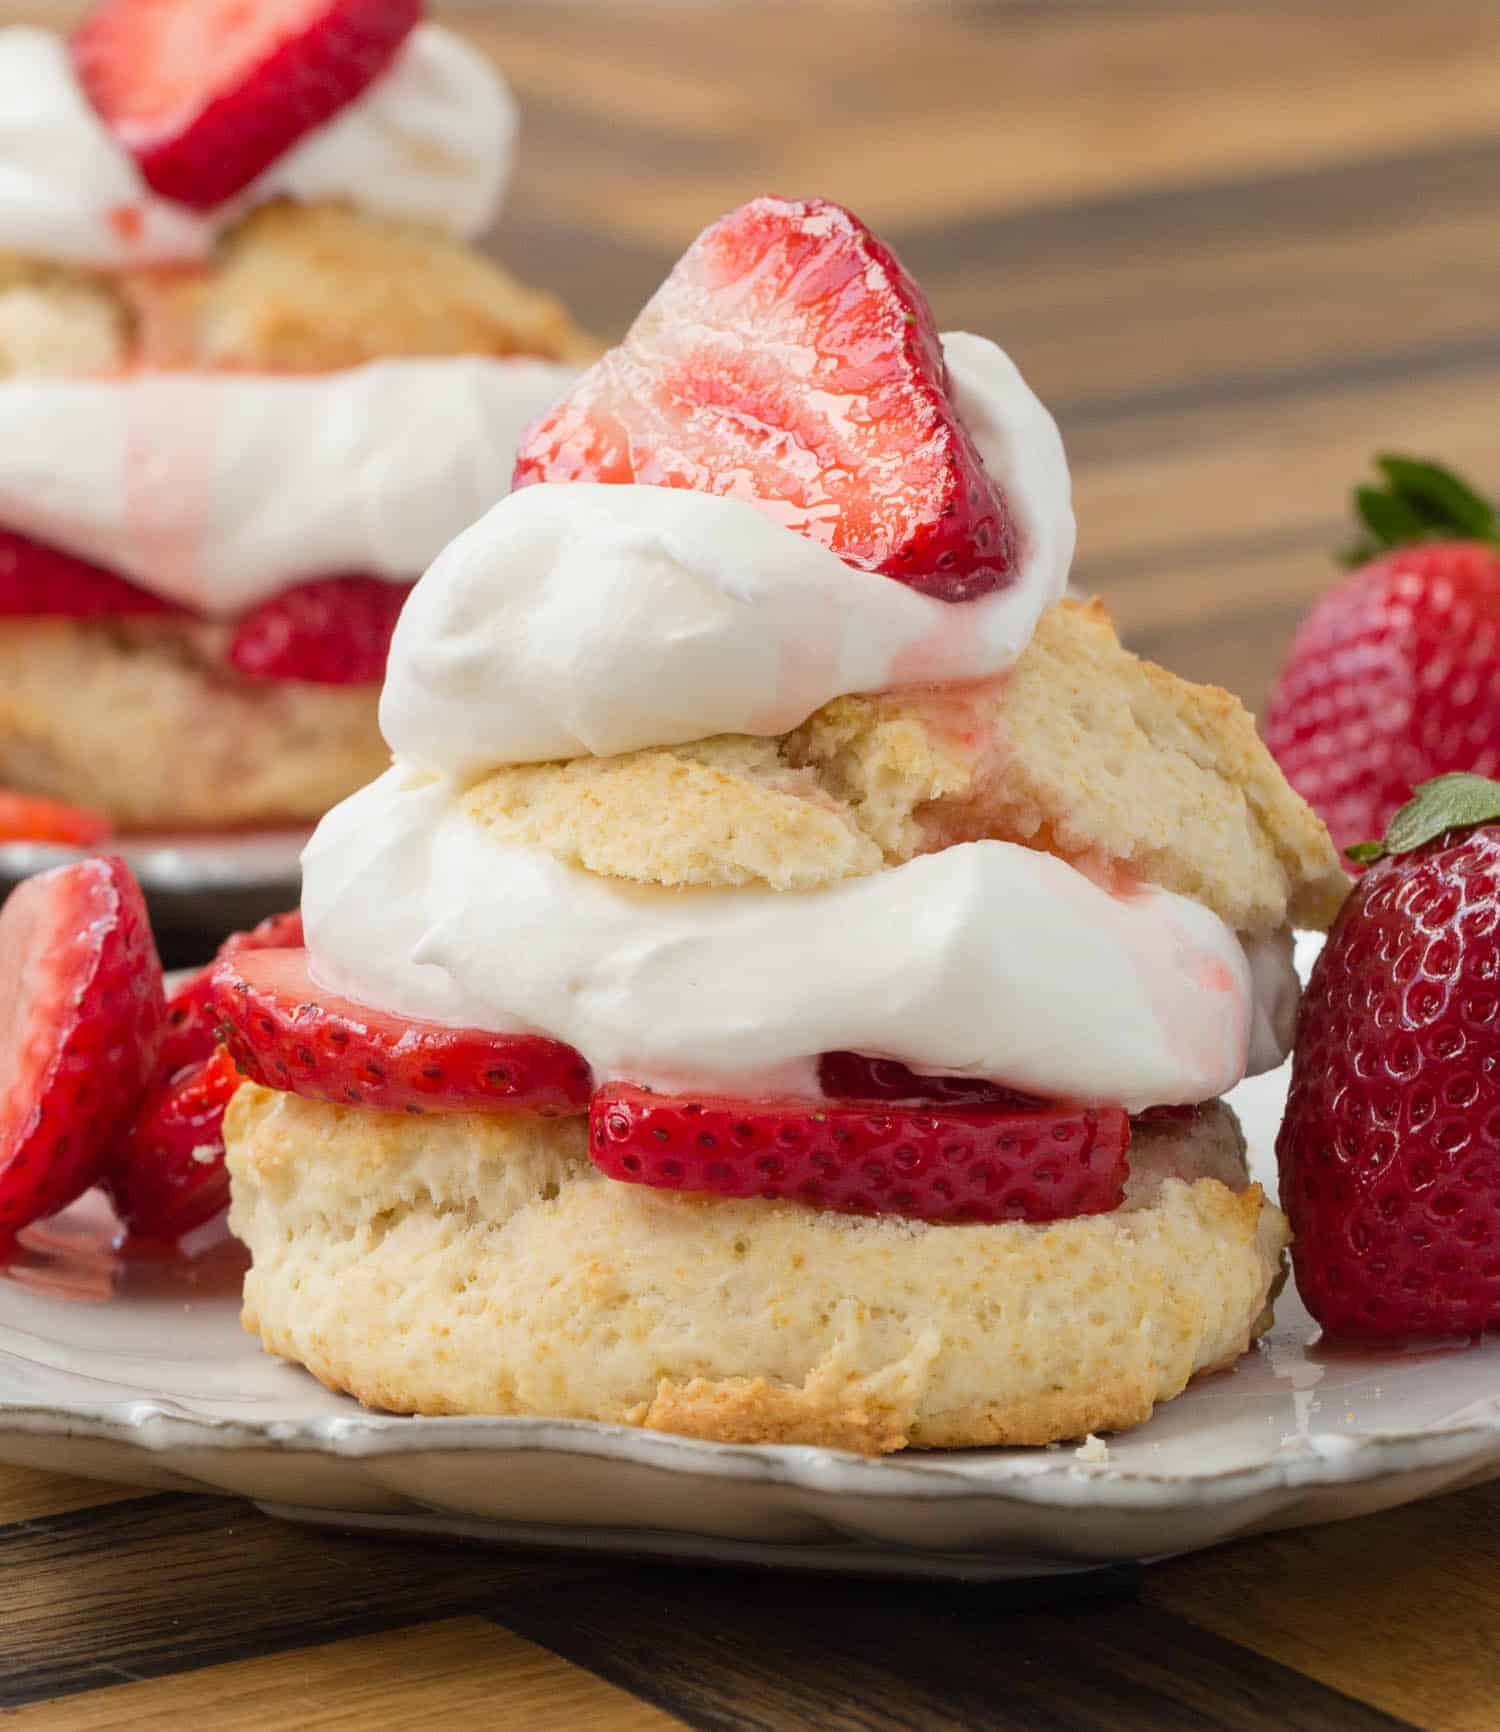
{"x":1390,"y":1151}
{"x":868,"y":1157}
{"x":81,"y":1011}
{"x":287,"y":1032}
{"x":1393,"y":678}
{"x":331,"y":631}
{"x":40,"y":581}
{"x":191,"y":1032}
{"x":789,"y":360}
{"x":206,"y":94}
{"x":169,"y":1177}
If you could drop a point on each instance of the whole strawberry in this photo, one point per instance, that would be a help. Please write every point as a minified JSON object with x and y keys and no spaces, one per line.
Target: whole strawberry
{"x":1394,"y":677}
{"x":1390,"y":1150}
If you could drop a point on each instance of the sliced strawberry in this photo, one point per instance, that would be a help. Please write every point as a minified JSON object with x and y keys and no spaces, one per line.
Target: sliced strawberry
{"x":30,"y":818}
{"x":206,"y":94}
{"x":81,"y":1012}
{"x":851,"y":1076}
{"x":39,"y":580}
{"x":192,"y":1033}
{"x":868,"y":1157}
{"x":285,"y":1031}
{"x":790,"y":361}
{"x":333,"y":631}
{"x":170,"y":1176}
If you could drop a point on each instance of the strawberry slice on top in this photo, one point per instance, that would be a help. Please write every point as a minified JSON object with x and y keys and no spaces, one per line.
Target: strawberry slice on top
{"x":206,"y":94}
{"x":288,"y":1033}
{"x":332,"y":631}
{"x":992,"y":1162}
{"x":789,"y":361}
{"x":40,"y":581}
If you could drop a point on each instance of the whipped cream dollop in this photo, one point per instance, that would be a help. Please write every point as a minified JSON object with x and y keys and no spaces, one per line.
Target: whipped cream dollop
{"x":431,"y":139}
{"x":577,"y":618}
{"x":986,"y":959}
{"x":216,"y":490}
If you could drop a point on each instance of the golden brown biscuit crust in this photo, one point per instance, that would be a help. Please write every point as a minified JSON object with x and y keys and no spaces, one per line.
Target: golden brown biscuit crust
{"x":481,"y":1264}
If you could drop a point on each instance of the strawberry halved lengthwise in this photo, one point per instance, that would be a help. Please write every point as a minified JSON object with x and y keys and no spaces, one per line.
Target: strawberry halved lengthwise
{"x":206,"y":94}
{"x":791,"y":362}
{"x":81,"y":1016}
{"x":287,"y":1032}
{"x":927,"y":1163}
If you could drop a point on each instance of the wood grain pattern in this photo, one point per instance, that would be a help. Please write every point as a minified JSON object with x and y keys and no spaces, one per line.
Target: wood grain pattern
{"x":167,"y":1584}
{"x":1400,"y":1608}
{"x":736,"y":1654}
{"x":465,"y":1673}
{"x":1237,"y":244}
{"x":28,"y":1494}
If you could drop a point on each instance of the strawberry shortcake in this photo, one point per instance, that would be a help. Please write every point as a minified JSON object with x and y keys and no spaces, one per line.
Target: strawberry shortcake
{"x":252,"y":379}
{"x":782,"y":990}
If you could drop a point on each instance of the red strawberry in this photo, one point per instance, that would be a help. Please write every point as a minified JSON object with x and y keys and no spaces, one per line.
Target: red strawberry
{"x":1390,"y":1151}
{"x":170,"y":1175}
{"x":868,"y":1157}
{"x":192,"y":1032}
{"x":81,"y":1012}
{"x":1394,"y":677}
{"x":39,"y":580}
{"x":851,"y":1076}
{"x":30,"y":818}
{"x":285,"y":1031}
{"x":205,"y":94}
{"x":790,"y":361}
{"x":333,"y":631}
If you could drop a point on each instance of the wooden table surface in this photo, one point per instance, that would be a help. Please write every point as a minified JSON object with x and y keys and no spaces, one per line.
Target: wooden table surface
{"x":1236,"y":244}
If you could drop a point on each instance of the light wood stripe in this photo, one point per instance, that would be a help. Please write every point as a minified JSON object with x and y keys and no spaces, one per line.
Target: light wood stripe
{"x":1397,"y":1608}
{"x":463,"y":1674}
{"x":28,"y":1494}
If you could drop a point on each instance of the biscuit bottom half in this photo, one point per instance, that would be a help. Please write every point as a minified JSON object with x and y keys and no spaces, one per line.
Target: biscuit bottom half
{"x":144,"y":720}
{"x":467,"y":1264}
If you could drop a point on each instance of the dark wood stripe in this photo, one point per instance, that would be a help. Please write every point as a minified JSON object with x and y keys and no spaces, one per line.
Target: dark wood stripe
{"x":1480,"y":353}
{"x":1209,"y":214}
{"x":735,"y":1653}
{"x":168,"y":1584}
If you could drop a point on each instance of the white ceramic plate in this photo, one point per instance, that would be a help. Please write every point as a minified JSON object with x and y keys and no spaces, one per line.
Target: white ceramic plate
{"x":142,"y":1374}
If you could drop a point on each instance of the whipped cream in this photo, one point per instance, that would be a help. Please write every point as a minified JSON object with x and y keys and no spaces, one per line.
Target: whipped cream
{"x":577,"y":618}
{"x":986,"y":959}
{"x":217,"y":490}
{"x":431,"y":139}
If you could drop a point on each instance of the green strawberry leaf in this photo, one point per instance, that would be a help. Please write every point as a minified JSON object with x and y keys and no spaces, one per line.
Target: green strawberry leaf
{"x":1417,"y":501}
{"x":1445,"y":499}
{"x":1392,"y":520}
{"x":1452,"y":802}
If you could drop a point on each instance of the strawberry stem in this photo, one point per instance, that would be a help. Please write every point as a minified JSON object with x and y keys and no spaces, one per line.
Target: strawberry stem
{"x":1452,"y":802}
{"x":1418,"y":501}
